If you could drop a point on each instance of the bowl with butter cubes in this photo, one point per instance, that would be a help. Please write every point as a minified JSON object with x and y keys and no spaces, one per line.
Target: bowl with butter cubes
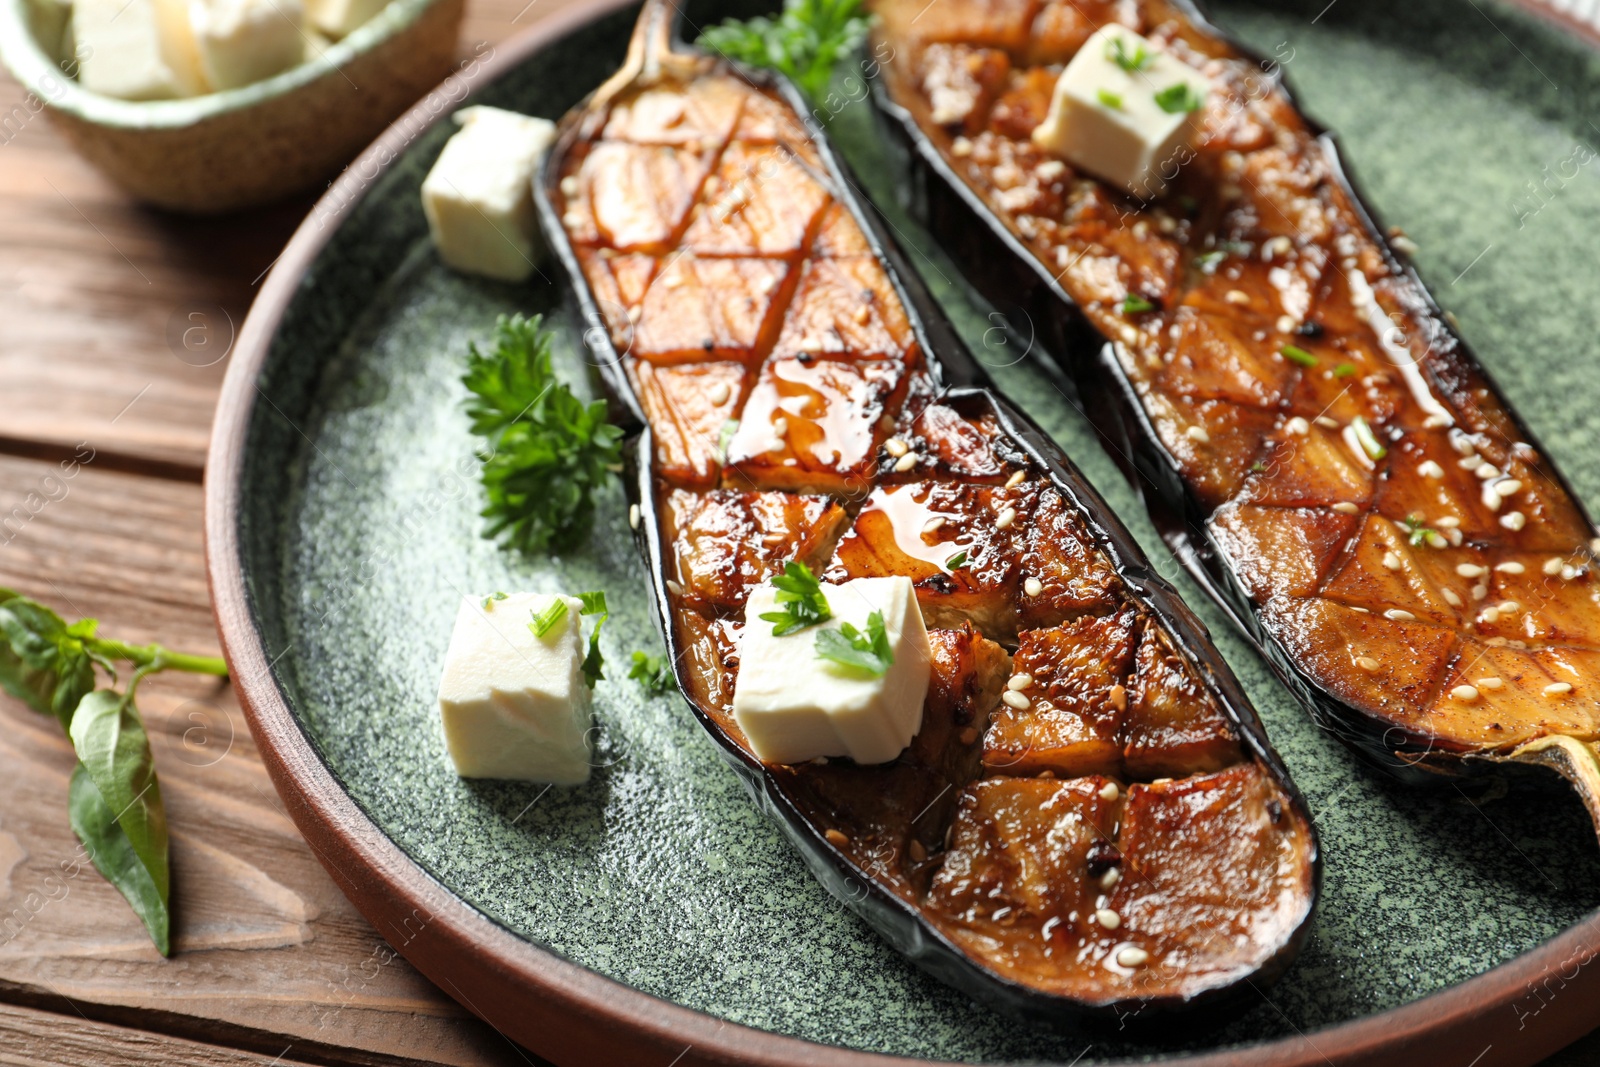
{"x":210,"y":106}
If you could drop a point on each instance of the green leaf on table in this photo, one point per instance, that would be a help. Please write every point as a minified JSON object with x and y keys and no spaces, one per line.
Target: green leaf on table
{"x":653,"y":673}
{"x":115,"y":751}
{"x":113,"y":855}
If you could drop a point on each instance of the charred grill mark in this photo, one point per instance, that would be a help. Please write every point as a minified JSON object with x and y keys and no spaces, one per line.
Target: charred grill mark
{"x":799,"y":410}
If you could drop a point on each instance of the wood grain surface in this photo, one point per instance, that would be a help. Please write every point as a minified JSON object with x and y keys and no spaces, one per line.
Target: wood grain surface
{"x":115,"y":325}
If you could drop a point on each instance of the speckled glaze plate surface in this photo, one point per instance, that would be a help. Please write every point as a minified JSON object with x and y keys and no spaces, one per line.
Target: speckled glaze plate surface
{"x":655,"y":912}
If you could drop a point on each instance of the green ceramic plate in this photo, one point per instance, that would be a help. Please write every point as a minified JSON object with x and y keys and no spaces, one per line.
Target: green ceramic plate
{"x":343,"y":529}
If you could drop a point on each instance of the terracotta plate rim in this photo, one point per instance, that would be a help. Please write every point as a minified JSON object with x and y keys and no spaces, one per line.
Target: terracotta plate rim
{"x":571,"y":1014}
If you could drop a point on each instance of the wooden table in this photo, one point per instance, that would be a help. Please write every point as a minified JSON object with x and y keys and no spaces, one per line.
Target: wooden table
{"x":272,"y":964}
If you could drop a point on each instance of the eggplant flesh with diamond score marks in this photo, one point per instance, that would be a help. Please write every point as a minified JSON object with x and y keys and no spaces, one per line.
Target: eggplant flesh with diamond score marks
{"x":1313,"y":438}
{"x":1108,"y":835}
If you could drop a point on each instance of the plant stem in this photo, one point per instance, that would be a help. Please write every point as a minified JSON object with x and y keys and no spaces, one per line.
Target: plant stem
{"x":152,"y":658}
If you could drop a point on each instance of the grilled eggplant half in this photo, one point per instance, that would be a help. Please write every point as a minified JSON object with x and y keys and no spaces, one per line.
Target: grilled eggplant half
{"x":1315,"y":441}
{"x":1117,"y":834}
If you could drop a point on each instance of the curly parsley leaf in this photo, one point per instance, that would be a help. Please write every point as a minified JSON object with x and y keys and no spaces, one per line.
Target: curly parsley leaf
{"x":868,"y":653}
{"x":801,"y":600}
{"x":594,"y":663}
{"x":547,"y":451}
{"x":653,"y":673}
{"x":805,"y":42}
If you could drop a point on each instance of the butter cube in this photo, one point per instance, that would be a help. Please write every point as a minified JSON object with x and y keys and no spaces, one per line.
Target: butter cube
{"x":794,"y":706}
{"x":1124,"y":111}
{"x":336,"y":18}
{"x":515,"y":705}
{"x":479,"y":195}
{"x":246,"y":41}
{"x":137,"y":49}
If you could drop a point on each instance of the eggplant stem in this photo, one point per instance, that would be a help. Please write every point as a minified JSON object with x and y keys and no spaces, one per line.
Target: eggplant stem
{"x":649,"y":52}
{"x":1576,"y":761}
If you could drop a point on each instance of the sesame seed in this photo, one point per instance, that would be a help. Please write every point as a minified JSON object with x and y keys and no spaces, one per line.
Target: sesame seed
{"x":1014,"y":699}
{"x":1033,"y":587}
{"x":1404,"y":245}
{"x":862,"y":314}
{"x":1005,"y":519}
{"x":1512,"y":567}
{"x":1327,"y":423}
{"x":1508,"y":606}
{"x":1480,"y":592}
{"x":918,"y":851}
{"x":1280,"y":246}
{"x":1108,"y":918}
{"x":674,"y":587}
{"x":1118,"y":697}
{"x":1391,"y":560}
{"x":1285,"y":324}
{"x":905,"y":462}
{"x":1236,"y":296}
{"x":1491,"y":498}
{"x":1508,"y":486}
{"x":1399,"y":615}
{"x":1109,"y":791}
{"x":572,"y":220}
{"x":1436,"y":422}
{"x":1594,"y":546}
{"x":571,"y":186}
{"x":896,"y":447}
{"x":1488,"y":683}
{"x":1569,"y":573}
{"x":1469,"y":570}
{"x":1050,"y":169}
{"x":633,"y":516}
{"x":767,"y":284}
{"x":673,"y":281}
{"x":719,"y":394}
{"x":1344,"y":507}
{"x":1447,"y":522}
{"x":1485,"y":471}
{"x":1018,"y":681}
{"x":1367,"y":663}
{"x":1436,"y":539}
{"x":1015,"y":479}
{"x":1471,"y":463}
{"x":836,"y":838}
{"x":1130,"y":336}
{"x":1197,"y":434}
{"x":1464,"y":693}
{"x":634,"y":313}
{"x":1463,"y":444}
{"x":780,"y":427}
{"x":1558,"y":689}
{"x":1112,"y":876}
{"x":932,"y":525}
{"x":1552,"y":566}
{"x":1429,"y":469}
{"x":1133,"y":957}
{"x":961,"y":147}
{"x":1490,"y":616}
{"x":1297,"y":425}
{"x":1514,"y":520}
{"x":1452,"y":598}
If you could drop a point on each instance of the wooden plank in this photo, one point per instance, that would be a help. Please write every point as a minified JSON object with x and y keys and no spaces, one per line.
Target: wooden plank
{"x":268,"y":952}
{"x":115,"y":319}
{"x":39,"y":1039}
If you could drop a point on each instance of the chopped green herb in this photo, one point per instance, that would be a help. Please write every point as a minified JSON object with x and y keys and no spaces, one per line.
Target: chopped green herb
{"x":488,"y":601}
{"x":725,"y":438}
{"x":1132,"y":62}
{"x":1368,"y":440}
{"x":957,"y":561}
{"x":1418,"y":534}
{"x":1134,"y":304}
{"x":594,"y":663}
{"x":1344,"y":370}
{"x":801,"y":599}
{"x":547,"y":450}
{"x":1178,"y":98}
{"x":867,"y":652}
{"x":653,"y":673}
{"x":1110,"y":99}
{"x":1257,"y":467}
{"x":805,"y":42}
{"x":548,"y":619}
{"x":113,"y":797}
{"x":1296,"y":354}
{"x":1208,"y":262}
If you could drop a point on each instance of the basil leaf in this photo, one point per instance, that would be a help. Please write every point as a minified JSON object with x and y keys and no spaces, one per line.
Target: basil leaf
{"x":115,"y":751}
{"x":114,"y":856}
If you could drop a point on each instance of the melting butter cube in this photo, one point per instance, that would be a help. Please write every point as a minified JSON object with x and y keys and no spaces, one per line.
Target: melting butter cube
{"x":514,"y":705}
{"x":479,"y":195}
{"x":137,"y":49}
{"x":794,"y":706}
{"x":336,"y":18}
{"x":1124,"y":111}
{"x":246,"y":41}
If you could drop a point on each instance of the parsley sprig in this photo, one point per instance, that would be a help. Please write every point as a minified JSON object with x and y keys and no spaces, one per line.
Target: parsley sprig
{"x":594,"y":663}
{"x":868,"y":653}
{"x":114,"y":798}
{"x":800,"y":600}
{"x":805,"y":42}
{"x":653,"y":673}
{"x":548,"y":451}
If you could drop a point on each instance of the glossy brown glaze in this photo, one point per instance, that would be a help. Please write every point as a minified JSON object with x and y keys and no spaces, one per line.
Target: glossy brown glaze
{"x":1398,"y":538}
{"x":797,"y":415}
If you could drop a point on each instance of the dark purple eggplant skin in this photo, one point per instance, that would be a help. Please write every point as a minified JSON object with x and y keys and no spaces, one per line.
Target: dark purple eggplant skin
{"x":1028,"y":296}
{"x":965,"y":386}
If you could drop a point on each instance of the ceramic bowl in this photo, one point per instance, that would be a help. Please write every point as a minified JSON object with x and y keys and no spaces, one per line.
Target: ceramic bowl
{"x":247,"y":146}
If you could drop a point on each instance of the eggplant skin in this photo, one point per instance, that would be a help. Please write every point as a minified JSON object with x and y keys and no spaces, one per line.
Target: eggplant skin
{"x":779,"y":363}
{"x":1312,"y":438}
